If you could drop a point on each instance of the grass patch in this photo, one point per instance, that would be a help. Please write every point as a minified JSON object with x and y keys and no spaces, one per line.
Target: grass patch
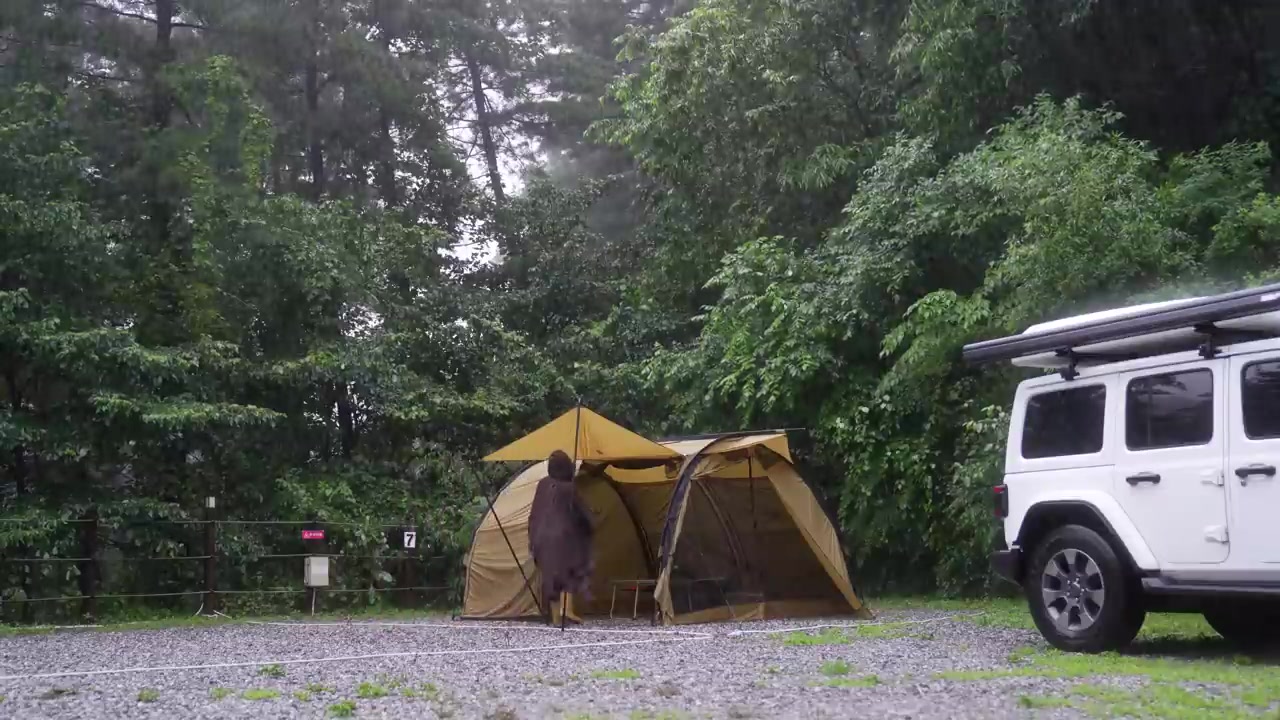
{"x":371,"y":691}
{"x":425,"y":690}
{"x":1022,"y":654}
{"x":660,"y":715}
{"x":259,"y":694}
{"x":221,"y":693}
{"x":148,"y":695}
{"x":828,"y":636}
{"x":342,"y":708}
{"x":1163,"y":701}
{"x":894,"y":631}
{"x":626,"y":674}
{"x":271,"y":671}
{"x":302,"y":696}
{"x":1226,"y":686}
{"x":836,"y":668}
{"x":847,"y":682}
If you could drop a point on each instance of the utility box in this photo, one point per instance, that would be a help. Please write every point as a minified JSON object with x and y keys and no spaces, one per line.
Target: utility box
{"x":315,"y":572}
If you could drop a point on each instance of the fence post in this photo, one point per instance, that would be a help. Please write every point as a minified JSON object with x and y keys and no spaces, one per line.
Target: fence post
{"x":210,"y":555}
{"x":89,"y":574}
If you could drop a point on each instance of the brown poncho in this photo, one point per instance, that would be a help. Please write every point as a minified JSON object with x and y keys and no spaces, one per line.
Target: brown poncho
{"x":560,"y":533}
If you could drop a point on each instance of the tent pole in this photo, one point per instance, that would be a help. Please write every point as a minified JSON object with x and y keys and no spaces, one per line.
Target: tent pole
{"x":577,"y":428}
{"x":536,"y":602}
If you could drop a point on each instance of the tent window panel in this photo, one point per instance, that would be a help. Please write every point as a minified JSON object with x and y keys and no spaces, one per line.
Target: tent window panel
{"x":704,"y":567}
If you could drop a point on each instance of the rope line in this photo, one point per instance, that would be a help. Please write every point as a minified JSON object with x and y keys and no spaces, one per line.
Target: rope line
{"x":854,"y":626}
{"x":662,"y":636}
{"x":340,"y":658}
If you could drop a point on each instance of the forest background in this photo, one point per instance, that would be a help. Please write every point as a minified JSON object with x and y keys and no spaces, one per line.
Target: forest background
{"x":316,"y":257}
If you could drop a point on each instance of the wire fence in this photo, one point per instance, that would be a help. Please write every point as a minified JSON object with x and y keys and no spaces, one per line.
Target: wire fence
{"x":210,"y":564}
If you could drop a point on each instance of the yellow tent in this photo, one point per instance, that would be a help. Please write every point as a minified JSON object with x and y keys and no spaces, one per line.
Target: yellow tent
{"x":726,"y":529}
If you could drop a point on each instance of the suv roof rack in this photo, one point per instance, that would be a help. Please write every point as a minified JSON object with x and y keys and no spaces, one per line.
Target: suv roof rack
{"x":1149,"y":329}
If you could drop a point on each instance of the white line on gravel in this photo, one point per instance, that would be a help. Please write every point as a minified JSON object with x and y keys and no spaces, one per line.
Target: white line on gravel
{"x":854,"y":626}
{"x":663,"y":636}
{"x":346,"y":658}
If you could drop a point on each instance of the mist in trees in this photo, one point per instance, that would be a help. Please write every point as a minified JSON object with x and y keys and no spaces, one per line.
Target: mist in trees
{"x":315,"y":257}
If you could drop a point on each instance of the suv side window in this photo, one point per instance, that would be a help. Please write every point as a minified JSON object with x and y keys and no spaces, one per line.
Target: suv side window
{"x":1260,"y":399}
{"x":1169,"y":410}
{"x":1064,"y":422}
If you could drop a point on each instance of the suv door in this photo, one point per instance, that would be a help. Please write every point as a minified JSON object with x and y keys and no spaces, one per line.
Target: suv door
{"x":1253,"y":455}
{"x":1169,"y":465}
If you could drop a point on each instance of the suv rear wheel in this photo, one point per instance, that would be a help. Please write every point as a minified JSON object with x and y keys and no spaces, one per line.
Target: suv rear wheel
{"x":1253,"y":625}
{"x":1080,"y":594}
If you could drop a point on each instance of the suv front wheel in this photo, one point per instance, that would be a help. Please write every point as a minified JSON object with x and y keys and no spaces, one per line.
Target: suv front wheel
{"x":1080,"y":595}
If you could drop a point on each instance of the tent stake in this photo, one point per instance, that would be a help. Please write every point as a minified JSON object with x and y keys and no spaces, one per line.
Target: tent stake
{"x":536,"y":603}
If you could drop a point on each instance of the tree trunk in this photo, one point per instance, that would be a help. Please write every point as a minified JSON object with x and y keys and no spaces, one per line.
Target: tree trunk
{"x":315,"y":144}
{"x":387,"y":161}
{"x":483,"y":124}
{"x":19,"y":451}
{"x":20,"y":484}
{"x":346,"y":422}
{"x":386,"y":143}
{"x":311,"y":80}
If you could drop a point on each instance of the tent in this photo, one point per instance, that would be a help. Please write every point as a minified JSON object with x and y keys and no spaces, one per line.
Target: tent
{"x":716,"y":528}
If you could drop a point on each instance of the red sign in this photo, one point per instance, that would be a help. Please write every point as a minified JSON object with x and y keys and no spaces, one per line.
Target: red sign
{"x":312,"y":534}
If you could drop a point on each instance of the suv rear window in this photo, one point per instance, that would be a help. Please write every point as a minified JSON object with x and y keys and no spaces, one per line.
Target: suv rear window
{"x":1260,"y":399}
{"x":1064,"y":422}
{"x":1169,"y":410}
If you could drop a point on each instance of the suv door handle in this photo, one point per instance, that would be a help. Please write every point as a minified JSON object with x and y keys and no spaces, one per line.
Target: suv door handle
{"x":1145,"y":477}
{"x":1255,"y":469}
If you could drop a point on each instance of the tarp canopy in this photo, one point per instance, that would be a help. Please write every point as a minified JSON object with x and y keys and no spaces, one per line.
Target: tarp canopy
{"x":586,"y":436}
{"x":728,"y":530}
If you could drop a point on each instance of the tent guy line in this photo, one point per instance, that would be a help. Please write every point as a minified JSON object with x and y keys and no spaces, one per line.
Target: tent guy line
{"x":470,"y":626}
{"x":692,"y":634}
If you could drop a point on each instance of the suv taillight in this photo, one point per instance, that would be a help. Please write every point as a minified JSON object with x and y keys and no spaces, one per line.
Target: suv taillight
{"x":1001,"y":496}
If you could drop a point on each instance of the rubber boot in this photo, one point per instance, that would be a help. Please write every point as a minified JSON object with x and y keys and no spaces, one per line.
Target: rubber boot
{"x":570,"y":618}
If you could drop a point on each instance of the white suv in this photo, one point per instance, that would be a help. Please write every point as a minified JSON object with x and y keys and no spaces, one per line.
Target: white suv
{"x":1141,"y":475}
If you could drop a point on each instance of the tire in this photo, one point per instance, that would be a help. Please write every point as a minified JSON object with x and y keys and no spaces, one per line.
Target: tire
{"x":1249,"y":624}
{"x":1081,"y":595}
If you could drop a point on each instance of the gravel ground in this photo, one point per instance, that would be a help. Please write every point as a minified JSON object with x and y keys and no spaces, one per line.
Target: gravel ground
{"x":709,"y":672}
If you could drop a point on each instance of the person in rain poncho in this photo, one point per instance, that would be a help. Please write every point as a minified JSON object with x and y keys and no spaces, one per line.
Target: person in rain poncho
{"x":560,"y":535}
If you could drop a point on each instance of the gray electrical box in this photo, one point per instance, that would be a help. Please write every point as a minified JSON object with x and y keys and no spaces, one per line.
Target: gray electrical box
{"x":315,"y":572}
